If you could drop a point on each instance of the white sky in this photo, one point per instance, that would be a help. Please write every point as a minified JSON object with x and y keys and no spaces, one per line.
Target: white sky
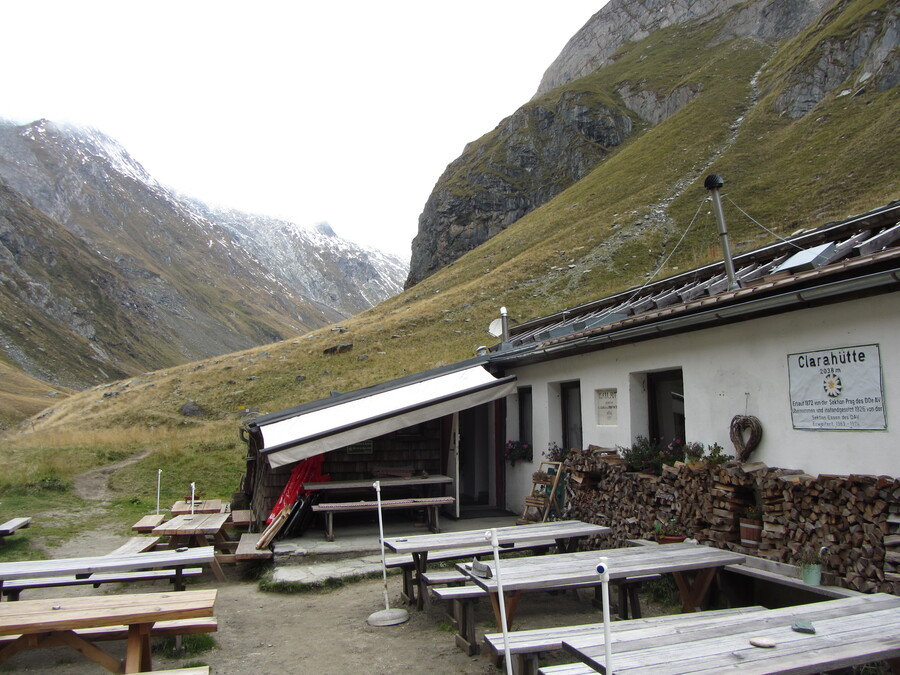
{"x":345,"y":112}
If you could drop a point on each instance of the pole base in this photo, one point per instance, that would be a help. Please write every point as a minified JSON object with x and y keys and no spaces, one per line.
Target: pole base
{"x":388,"y":617}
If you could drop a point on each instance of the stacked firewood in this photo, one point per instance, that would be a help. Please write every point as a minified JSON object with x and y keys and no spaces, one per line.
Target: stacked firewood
{"x":856,"y":517}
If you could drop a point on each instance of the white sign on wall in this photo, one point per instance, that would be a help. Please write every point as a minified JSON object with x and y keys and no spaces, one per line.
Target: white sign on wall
{"x":837,"y":389}
{"x":607,"y":407}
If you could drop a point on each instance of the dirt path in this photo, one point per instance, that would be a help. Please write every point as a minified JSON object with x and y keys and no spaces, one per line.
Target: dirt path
{"x":94,"y":485}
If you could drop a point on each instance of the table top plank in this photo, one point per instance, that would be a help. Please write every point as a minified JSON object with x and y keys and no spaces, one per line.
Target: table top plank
{"x":792,"y":649}
{"x":846,"y":629}
{"x":200,"y":506}
{"x":581,"y":568}
{"x":37,"y":616}
{"x":30,"y":569}
{"x":514,"y":534}
{"x":370,"y":482}
{"x":199,"y":523}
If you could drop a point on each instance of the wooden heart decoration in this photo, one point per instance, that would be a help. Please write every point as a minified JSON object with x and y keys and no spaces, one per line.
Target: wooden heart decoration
{"x":750,"y":425}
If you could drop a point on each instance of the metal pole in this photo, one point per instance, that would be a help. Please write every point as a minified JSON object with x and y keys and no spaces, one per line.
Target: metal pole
{"x":377,"y":486}
{"x":603,"y":570}
{"x":491,"y":536}
{"x":158,"y":480}
{"x":387,"y":616}
{"x":713,"y":183}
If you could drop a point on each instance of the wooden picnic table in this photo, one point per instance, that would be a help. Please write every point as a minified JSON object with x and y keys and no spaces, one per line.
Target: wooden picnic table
{"x":579,"y":570}
{"x":848,"y":631}
{"x":565,"y":534}
{"x":199,"y":529}
{"x":391,"y":482}
{"x":84,"y":567}
{"x":53,"y":622}
{"x":200,"y":506}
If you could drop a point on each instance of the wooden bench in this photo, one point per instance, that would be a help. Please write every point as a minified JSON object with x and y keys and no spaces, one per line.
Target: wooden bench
{"x":161,"y":629}
{"x":242,"y":518}
{"x":12,"y":525}
{"x":568,"y":669}
{"x":13,"y":587}
{"x":526,"y":645}
{"x":461,"y":610}
{"x":406,"y":563}
{"x":430,"y":504}
{"x":136,"y":545}
{"x":147,"y":523}
{"x":246,"y":548}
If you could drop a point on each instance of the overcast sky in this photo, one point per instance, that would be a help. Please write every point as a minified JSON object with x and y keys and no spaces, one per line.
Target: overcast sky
{"x":345,"y":112}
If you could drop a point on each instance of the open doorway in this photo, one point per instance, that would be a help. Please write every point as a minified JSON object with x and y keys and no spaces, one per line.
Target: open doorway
{"x":475,"y":457}
{"x":665,"y":392}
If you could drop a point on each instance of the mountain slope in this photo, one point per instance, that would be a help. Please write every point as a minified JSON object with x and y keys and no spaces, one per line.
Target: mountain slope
{"x":110,"y":274}
{"x":315,"y":263}
{"x":610,"y":230}
{"x":652,"y":56}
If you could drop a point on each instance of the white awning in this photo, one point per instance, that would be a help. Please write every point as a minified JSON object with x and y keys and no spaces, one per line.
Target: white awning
{"x":386,"y":409}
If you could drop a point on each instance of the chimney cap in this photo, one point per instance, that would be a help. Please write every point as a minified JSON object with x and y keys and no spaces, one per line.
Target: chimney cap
{"x":713,"y":181}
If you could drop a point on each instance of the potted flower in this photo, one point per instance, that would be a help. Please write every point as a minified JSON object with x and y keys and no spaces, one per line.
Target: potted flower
{"x":669,"y":532}
{"x":517,"y":450}
{"x":811,"y":560}
{"x":751,"y":526}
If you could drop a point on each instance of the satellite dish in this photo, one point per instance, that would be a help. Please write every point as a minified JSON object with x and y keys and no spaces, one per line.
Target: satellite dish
{"x":496,"y":327}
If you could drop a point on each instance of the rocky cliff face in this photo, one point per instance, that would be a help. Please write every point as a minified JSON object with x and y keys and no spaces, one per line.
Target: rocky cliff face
{"x":105,"y":273}
{"x":530,"y":158}
{"x":557,"y":138}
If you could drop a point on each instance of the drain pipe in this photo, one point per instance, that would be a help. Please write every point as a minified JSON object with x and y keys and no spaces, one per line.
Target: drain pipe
{"x":712,"y":183}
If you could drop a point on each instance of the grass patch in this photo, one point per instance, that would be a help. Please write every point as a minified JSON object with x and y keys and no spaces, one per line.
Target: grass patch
{"x":663,"y":592}
{"x":268,"y":585}
{"x":191,"y":645}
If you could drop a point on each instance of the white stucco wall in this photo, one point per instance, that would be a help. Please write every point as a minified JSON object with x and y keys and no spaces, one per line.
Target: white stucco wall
{"x":739,"y":369}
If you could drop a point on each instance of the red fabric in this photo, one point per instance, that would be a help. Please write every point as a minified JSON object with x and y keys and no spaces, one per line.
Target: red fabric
{"x":307,"y":470}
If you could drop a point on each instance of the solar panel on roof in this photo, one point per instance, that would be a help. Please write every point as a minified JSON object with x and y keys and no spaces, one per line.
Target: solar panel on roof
{"x":808,"y":259}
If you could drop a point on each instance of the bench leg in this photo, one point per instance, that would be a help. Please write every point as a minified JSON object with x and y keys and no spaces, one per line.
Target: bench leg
{"x":433,"y":518}
{"x":329,"y":526}
{"x":525,"y":664}
{"x":634,"y":599}
{"x":408,"y":594}
{"x":464,"y":610}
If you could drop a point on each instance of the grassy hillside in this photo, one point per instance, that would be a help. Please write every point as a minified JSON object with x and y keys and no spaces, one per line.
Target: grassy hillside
{"x":22,"y":395}
{"x":608,"y":232}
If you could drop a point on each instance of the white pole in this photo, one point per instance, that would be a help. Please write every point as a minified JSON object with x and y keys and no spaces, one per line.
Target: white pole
{"x":603,"y":571}
{"x":377,"y":485}
{"x":158,"y":479}
{"x":192,"y":499}
{"x":387,"y":616}
{"x":491,"y":536}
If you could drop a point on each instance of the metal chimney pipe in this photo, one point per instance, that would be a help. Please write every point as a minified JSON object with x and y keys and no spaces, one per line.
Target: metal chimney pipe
{"x":504,"y":325}
{"x":712,"y":183}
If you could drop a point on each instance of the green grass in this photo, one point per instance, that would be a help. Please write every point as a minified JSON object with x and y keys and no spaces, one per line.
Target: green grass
{"x":268,"y":585}
{"x":191,"y":645}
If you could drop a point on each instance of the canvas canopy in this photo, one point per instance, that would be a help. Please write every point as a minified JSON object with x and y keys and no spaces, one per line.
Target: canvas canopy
{"x":373,"y":412}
